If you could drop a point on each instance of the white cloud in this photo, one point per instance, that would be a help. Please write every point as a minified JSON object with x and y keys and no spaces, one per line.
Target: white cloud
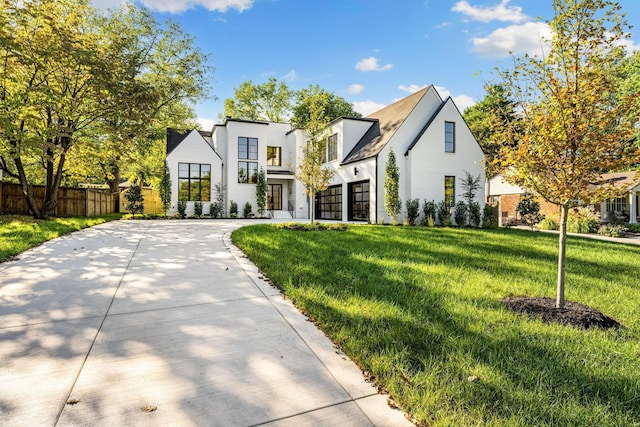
{"x":291,"y":75}
{"x":367,"y":107}
{"x":207,"y":124}
{"x":501,"y":12}
{"x":371,"y":64}
{"x":411,"y":88}
{"x":177,"y":6}
{"x":355,"y":88}
{"x":462,"y":101}
{"x":514,"y":39}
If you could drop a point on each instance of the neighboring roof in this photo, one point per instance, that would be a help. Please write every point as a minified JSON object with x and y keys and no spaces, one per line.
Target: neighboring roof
{"x":230,"y":119}
{"x":387,"y":122}
{"x":625,"y":180}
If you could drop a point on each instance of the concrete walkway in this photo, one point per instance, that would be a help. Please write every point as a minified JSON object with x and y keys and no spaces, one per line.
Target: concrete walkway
{"x":165,"y":323}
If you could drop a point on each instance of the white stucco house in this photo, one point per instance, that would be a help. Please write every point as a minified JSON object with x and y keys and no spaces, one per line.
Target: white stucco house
{"x":432,"y":143}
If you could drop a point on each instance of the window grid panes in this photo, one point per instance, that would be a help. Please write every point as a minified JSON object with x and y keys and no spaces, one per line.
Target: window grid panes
{"x":450,"y":190}
{"x":194,"y":182}
{"x":274,"y":156}
{"x":332,"y":147}
{"x":449,"y":137}
{"x":359,"y":193}
{"x":247,"y":172}
{"x":330,"y":203}
{"x":247,"y":148}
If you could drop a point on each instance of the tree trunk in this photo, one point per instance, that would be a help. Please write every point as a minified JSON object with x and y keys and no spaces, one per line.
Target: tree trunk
{"x":24,"y":184}
{"x":562,"y":252}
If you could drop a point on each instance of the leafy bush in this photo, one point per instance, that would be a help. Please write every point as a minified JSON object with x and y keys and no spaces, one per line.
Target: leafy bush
{"x":612,"y":230}
{"x":413,"y":210}
{"x":233,"y":209}
{"x":633,"y":228}
{"x":215,"y":210}
{"x":197,"y":209}
{"x":247,"y":210}
{"x":529,"y":210}
{"x":429,"y":211}
{"x":547,"y":224}
{"x":182,"y":209}
{"x":135,"y":201}
{"x":489,"y":216}
{"x":442,"y":211}
{"x":583,"y":220}
{"x":460,"y":213}
{"x":474,"y":214}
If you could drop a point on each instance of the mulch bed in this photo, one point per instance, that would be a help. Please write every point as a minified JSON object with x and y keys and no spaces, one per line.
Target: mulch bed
{"x":573,"y":313}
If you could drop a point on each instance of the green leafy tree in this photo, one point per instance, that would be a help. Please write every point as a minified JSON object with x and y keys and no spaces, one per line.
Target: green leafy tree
{"x":470,"y":185}
{"x":529,"y":209}
{"x":165,"y":189}
{"x":392,"y":202}
{"x":261,"y":192}
{"x":135,"y":200}
{"x":310,"y":172}
{"x":574,"y":121}
{"x":334,"y":106}
{"x":487,"y":119}
{"x":269,"y":101}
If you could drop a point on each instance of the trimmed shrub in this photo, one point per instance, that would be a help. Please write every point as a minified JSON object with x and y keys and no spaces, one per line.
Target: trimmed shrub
{"x":460,"y":213}
{"x":633,"y":228}
{"x":215,"y":210}
{"x":247,"y":210}
{"x":474,"y":214}
{"x":413,"y":210}
{"x":429,"y":211}
{"x":444,"y":216}
{"x":197,"y":209}
{"x":489,"y":216}
{"x":612,"y":230}
{"x":182,"y":209}
{"x":233,"y":209}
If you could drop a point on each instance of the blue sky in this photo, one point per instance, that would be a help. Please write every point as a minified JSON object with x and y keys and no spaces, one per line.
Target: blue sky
{"x":370,"y":52}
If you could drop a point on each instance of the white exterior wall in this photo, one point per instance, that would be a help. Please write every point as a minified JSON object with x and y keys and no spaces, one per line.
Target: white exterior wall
{"x":193,"y":149}
{"x":498,"y":186}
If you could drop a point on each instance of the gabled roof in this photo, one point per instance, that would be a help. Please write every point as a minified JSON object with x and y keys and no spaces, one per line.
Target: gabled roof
{"x":386,"y":123}
{"x":176,"y":136}
{"x":628,"y":180}
{"x":426,"y":126}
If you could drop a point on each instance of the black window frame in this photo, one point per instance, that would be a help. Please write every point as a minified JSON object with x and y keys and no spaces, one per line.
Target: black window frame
{"x":359,"y":210}
{"x":247,"y":148}
{"x":450,"y":137}
{"x":329,"y":203}
{"x":332,"y":147}
{"x":251,"y":172}
{"x":450,"y":187}
{"x":278,"y":156}
{"x":197,"y":177}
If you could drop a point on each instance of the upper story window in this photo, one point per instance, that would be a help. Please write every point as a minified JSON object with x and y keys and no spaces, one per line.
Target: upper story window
{"x":247,"y":148}
{"x":274,"y":156}
{"x":332,"y":147}
{"x":449,"y":137}
{"x":450,"y":191}
{"x":194,"y":182}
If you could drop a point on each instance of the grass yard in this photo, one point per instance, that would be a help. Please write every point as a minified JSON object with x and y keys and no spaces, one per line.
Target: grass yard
{"x":19,"y":232}
{"x":420,"y":308}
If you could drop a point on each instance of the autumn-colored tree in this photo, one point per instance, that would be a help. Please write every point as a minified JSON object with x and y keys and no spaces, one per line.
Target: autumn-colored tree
{"x":574,"y":124}
{"x":310,"y":172}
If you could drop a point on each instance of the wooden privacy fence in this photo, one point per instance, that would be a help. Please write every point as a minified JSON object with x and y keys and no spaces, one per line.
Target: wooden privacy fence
{"x":152,"y":203}
{"x":71,"y":201}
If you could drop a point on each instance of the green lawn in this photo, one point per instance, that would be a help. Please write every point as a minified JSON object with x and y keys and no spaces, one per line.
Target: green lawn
{"x":420,"y":308}
{"x":19,"y":233}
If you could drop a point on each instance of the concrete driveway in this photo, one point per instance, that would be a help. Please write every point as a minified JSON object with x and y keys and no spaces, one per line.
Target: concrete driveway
{"x":165,"y":323}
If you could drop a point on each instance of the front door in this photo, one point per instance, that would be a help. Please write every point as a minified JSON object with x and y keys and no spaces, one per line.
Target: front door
{"x":359,"y":201}
{"x":274,"y":197}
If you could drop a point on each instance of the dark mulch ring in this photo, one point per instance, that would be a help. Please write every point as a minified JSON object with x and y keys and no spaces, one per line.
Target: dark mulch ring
{"x":573,"y":313}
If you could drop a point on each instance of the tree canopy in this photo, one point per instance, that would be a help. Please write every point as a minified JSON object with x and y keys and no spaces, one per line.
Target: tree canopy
{"x":73,"y":77}
{"x":334,"y":106}
{"x":574,"y":122}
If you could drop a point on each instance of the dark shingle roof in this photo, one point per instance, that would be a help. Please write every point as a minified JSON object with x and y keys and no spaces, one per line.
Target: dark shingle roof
{"x":175,"y":137}
{"x":386,"y":123}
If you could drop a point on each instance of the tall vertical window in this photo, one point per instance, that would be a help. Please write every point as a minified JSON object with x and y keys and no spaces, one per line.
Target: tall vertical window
{"x":274,"y":156}
{"x":194,"y":182}
{"x":329,"y":203}
{"x":359,"y":201}
{"x":247,"y":150}
{"x":450,"y":190}
{"x":332,"y":147}
{"x":449,"y":137}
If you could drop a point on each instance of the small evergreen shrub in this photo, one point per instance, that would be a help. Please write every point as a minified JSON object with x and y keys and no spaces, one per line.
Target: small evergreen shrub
{"x":215,"y":210}
{"x":490,"y":216}
{"x":475,"y":216}
{"x":197,"y":209}
{"x":413,"y":210}
{"x":612,"y":230}
{"x":529,"y":210}
{"x":429,"y":211}
{"x":547,"y":224}
{"x":135,"y":201}
{"x":233,"y":209}
{"x":182,"y":209}
{"x":247,"y":210}
{"x":633,"y":228}
{"x":460,"y":213}
{"x":442,"y":211}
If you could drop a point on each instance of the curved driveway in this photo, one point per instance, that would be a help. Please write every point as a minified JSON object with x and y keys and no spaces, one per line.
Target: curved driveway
{"x":165,"y":323}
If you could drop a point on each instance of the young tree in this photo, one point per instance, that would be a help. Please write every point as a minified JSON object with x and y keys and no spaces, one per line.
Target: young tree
{"x":334,"y":106}
{"x":529,"y":210}
{"x":261,"y":192}
{"x":135,"y":200}
{"x":575,"y":125}
{"x":165,"y":189}
{"x":392,"y":202}
{"x":267,"y":101}
{"x":311,"y":173}
{"x":470,"y":186}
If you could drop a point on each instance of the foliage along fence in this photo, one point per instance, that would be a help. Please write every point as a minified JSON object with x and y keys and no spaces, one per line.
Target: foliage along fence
{"x":152,"y":202}
{"x":71,"y":201}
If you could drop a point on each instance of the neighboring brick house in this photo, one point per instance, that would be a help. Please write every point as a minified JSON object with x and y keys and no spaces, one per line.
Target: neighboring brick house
{"x":432,"y":143}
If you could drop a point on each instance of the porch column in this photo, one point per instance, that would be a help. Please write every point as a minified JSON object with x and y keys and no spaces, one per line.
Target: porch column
{"x":633,"y":207}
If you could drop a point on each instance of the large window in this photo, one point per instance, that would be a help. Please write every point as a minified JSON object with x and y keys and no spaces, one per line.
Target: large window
{"x":274,"y":156}
{"x":450,"y":190}
{"x":332,"y":147}
{"x":329,"y":203}
{"x":194,"y":182}
{"x":247,"y":150}
{"x":359,"y":201}
{"x":449,"y":137}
